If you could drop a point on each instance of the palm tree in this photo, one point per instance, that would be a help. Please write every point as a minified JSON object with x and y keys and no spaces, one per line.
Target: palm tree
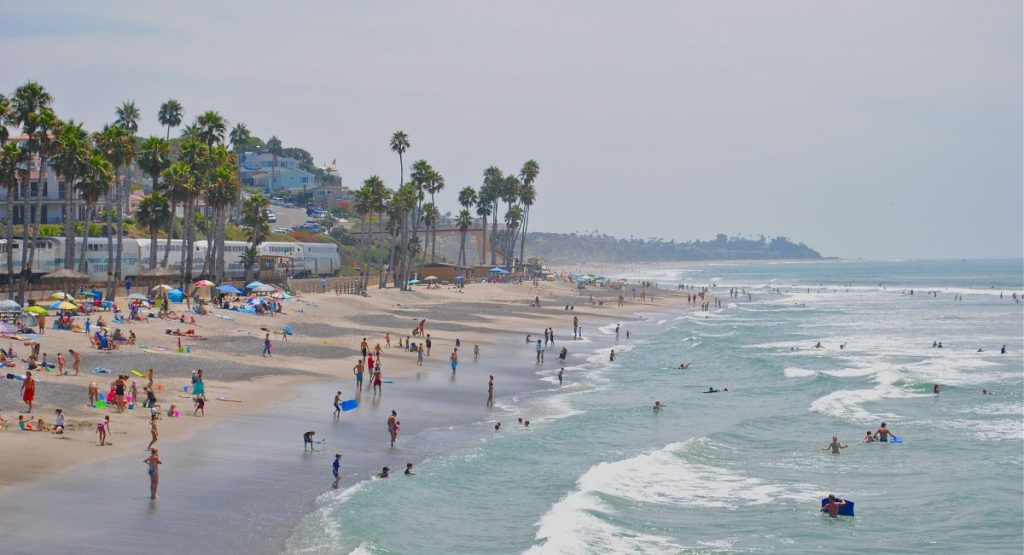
{"x":197,"y":158}
{"x":30,"y":109}
{"x":402,"y":204}
{"x":509,"y":192}
{"x":434,"y":184}
{"x":527,"y":196}
{"x":154,"y":210}
{"x":212,"y":127}
{"x":94,"y":185}
{"x":177,"y":185}
{"x":128,"y":116}
{"x":254,"y":215}
{"x":399,"y":145}
{"x":154,"y":157}
{"x":222,"y":192}
{"x":12,"y":158}
{"x":274,"y":147}
{"x":5,"y":115}
{"x":239,"y":136}
{"x":249,"y":258}
{"x":483,"y":209}
{"x":170,"y":115}
{"x":118,"y":146}
{"x":464,"y":220}
{"x":430,"y":216}
{"x":420,"y":177}
{"x":467,"y":199}
{"x":71,"y":160}
{"x":513,"y":218}
{"x":492,"y":187}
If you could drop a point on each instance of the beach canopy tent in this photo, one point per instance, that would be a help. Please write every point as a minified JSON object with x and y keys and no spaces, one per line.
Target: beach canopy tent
{"x":253,"y":284}
{"x":27,"y":320}
{"x":497,"y":270}
{"x":175,"y":295}
{"x":228,"y":289}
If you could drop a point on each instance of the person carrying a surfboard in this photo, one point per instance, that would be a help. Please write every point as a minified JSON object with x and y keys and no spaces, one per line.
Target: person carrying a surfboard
{"x":832,"y":507}
{"x":882,"y":433}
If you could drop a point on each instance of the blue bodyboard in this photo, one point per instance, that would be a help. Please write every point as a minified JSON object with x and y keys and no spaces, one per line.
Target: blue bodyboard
{"x":845,"y":510}
{"x":896,"y":440}
{"x":349,"y":405}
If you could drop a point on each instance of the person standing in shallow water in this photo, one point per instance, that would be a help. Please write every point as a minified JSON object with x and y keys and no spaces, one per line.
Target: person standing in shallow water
{"x":154,"y":463}
{"x":393,"y":427}
{"x":490,"y":392}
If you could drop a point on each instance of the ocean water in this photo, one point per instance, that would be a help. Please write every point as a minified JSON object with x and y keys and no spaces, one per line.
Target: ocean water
{"x":740,"y":471}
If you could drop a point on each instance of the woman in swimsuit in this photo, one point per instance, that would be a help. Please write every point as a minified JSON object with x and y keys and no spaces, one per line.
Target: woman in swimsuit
{"x":154,"y":463}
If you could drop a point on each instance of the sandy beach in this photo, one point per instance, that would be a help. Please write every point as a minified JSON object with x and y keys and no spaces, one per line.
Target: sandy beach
{"x":285,"y":394}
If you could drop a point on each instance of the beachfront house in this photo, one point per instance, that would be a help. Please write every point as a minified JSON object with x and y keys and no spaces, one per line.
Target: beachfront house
{"x":54,"y":193}
{"x":260,"y":169}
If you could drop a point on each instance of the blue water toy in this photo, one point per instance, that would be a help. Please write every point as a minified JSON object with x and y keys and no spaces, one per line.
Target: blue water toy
{"x":844,"y":510}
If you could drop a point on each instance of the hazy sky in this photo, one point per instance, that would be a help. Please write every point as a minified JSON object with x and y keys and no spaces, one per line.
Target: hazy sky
{"x":872,"y":129}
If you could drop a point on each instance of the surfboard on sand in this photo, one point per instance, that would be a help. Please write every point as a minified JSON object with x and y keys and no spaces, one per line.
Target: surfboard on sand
{"x":137,"y":373}
{"x":845,"y":510}
{"x":229,"y":400}
{"x":349,"y":405}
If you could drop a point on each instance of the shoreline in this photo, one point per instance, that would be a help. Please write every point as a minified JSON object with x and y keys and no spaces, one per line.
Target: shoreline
{"x":501,"y":312}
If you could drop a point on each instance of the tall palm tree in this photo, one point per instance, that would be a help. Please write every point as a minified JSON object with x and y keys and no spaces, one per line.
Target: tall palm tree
{"x":484,"y":209}
{"x":274,"y":147}
{"x":509,"y":192}
{"x":400,"y":209}
{"x":493,"y":182}
{"x":212,"y":127}
{"x":12,"y":158}
{"x":154,"y":157}
{"x":254,"y":216}
{"x":434,"y":185}
{"x":128,"y":116}
{"x":118,"y":146}
{"x":170,"y":115}
{"x":420,"y":176}
{"x":5,"y":116}
{"x":364,"y":206}
{"x":196,"y":156}
{"x":527,"y":196}
{"x":71,"y":160}
{"x":154,"y":210}
{"x":222,"y":193}
{"x":463,"y":222}
{"x":31,"y":110}
{"x":399,"y":145}
{"x":93,"y":186}
{"x":513,"y":218}
{"x":238,"y":137}
{"x":430,"y":216}
{"x":177,"y":185}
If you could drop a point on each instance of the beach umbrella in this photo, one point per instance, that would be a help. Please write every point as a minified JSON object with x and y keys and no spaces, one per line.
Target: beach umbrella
{"x":255,"y":301}
{"x":162,"y":287}
{"x":281,"y":295}
{"x":138,"y":297}
{"x":264,"y":288}
{"x":203,"y":283}
{"x":8,"y":304}
{"x":460,"y":278}
{"x":430,"y":278}
{"x":413,"y":281}
{"x":67,"y":305}
{"x":35,"y":309}
{"x":175,"y":295}
{"x":253,"y":284}
{"x":61,"y":297}
{"x":228,"y":289}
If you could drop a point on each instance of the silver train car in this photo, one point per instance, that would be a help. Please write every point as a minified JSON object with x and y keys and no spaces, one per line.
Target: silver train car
{"x":307,"y":259}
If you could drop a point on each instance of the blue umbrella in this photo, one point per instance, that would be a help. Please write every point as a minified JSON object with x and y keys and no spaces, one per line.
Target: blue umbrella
{"x":228,"y":289}
{"x":175,"y":295}
{"x":253,"y":284}
{"x":497,"y":270}
{"x":413,"y":281}
{"x":460,"y":278}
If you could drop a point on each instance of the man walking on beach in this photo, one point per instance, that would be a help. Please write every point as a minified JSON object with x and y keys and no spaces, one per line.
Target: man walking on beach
{"x":454,"y":359}
{"x":28,"y":390}
{"x":490,"y":392}
{"x":358,"y":370}
{"x":266,"y":346}
{"x":393,"y":427}
{"x":428,"y":343}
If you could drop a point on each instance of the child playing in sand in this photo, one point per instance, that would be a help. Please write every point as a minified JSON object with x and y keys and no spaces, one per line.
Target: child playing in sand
{"x":58,"y":426}
{"x":60,"y":364}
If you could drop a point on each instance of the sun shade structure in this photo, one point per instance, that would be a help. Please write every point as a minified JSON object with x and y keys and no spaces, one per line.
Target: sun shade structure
{"x":228,"y":289}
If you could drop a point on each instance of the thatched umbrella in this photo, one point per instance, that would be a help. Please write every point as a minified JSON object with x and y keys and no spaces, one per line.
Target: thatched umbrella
{"x":67,"y":279}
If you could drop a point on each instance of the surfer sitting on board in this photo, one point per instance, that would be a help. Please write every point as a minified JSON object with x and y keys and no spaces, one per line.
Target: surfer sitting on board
{"x":832,"y":507}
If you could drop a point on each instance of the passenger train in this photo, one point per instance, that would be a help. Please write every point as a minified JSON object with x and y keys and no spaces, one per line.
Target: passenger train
{"x":305,"y":259}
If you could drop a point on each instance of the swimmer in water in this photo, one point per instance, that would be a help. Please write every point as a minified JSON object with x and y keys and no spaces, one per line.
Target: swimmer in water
{"x":868,"y":438}
{"x":711,"y":390}
{"x":658,"y":406}
{"x":835,"y":446}
{"x":818,"y":345}
{"x":684,"y":365}
{"x":882,"y":433}
{"x":832,"y":507}
{"x":936,"y":389}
